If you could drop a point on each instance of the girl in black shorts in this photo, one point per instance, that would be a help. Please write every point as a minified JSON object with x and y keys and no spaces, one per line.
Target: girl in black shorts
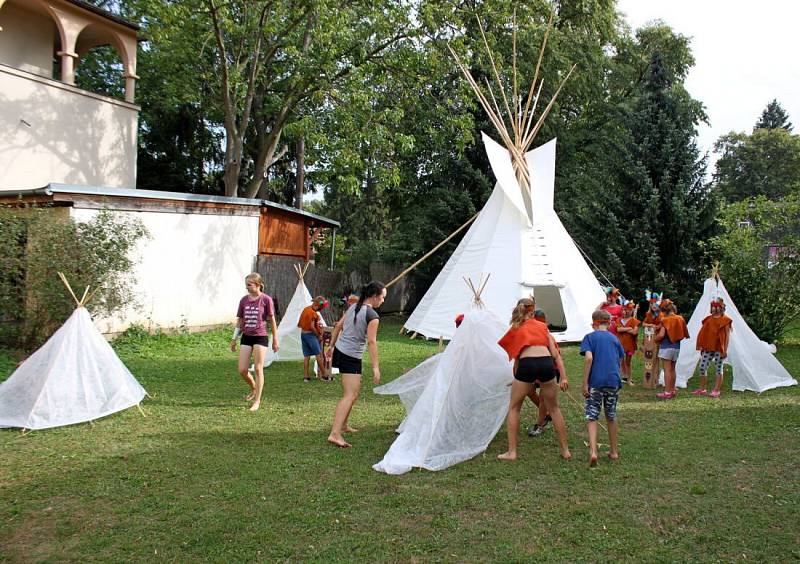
{"x":532,"y":348}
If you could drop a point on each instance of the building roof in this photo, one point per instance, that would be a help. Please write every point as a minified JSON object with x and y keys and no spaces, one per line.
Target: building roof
{"x":100,"y":192}
{"x":105,"y":13}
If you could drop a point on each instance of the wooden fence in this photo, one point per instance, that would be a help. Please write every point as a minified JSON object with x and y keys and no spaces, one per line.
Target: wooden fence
{"x":280,"y":280}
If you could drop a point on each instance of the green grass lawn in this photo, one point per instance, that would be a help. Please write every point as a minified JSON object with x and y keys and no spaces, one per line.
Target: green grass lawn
{"x":201,"y":478}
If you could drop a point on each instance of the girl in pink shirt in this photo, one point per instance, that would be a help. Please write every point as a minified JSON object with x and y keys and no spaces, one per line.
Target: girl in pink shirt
{"x":255,"y":310}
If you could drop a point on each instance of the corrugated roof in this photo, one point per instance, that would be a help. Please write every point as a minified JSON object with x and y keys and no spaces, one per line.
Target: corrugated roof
{"x":51,"y":189}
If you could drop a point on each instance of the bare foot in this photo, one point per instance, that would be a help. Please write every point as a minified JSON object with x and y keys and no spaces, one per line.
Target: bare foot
{"x":613,"y":455}
{"x":592,"y":460}
{"x":255,"y":406}
{"x":339,"y":441}
{"x":507,"y":456}
{"x":251,"y":396}
{"x":566,"y":455}
{"x":350,"y":429}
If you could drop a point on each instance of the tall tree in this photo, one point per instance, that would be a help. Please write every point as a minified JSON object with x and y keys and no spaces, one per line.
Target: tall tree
{"x":766,"y":163}
{"x":774,"y":117}
{"x":639,"y":179}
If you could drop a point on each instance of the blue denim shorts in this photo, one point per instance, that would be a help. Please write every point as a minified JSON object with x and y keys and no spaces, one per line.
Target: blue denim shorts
{"x":605,"y":398}
{"x":310,"y":343}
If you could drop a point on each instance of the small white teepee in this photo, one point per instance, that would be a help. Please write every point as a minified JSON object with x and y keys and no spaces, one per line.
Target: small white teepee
{"x":455,"y":401}
{"x":288,"y":331}
{"x":517,"y":236}
{"x":74,"y":377}
{"x":751,"y":359}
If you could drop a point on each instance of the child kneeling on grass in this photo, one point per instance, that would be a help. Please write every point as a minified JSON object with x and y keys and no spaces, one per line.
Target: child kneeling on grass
{"x":601,"y":381}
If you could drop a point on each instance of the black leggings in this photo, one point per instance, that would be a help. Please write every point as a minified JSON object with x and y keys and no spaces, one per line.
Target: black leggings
{"x":535,"y":369}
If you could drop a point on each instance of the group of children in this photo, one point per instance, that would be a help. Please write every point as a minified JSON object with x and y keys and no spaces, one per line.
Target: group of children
{"x":609,"y":348}
{"x":607,"y":351}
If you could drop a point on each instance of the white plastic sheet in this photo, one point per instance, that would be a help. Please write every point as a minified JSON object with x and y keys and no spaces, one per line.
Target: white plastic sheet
{"x":462,"y":405}
{"x":74,"y":377}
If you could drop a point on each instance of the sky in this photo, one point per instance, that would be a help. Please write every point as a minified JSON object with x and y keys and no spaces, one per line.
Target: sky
{"x":746,"y":54}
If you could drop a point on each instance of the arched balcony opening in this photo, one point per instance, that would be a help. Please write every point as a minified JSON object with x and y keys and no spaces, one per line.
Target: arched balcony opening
{"x":101,"y":63}
{"x":31,"y":37}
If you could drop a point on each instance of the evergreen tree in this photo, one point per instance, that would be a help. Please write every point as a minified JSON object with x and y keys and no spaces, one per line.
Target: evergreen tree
{"x":654,"y":210}
{"x":774,"y":117}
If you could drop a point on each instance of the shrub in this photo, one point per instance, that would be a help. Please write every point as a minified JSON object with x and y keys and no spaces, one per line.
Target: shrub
{"x":36,"y":243}
{"x":759,"y":253}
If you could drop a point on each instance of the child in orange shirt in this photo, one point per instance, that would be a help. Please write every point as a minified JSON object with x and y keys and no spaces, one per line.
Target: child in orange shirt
{"x":673,"y":331}
{"x":628,"y":334}
{"x":712,"y":342}
{"x":311,"y":338}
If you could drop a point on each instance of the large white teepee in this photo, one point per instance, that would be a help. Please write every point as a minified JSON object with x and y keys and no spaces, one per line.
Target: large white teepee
{"x":288,"y":331}
{"x":74,"y":377}
{"x":754,"y":366}
{"x":456,"y":401}
{"x":517,"y":236}
{"x":527,"y":251}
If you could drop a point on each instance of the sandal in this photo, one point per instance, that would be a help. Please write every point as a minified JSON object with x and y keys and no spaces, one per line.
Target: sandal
{"x":700,"y":392}
{"x":714,"y":394}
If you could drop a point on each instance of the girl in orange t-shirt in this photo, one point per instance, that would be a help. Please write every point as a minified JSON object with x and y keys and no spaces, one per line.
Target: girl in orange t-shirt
{"x":628,"y":335}
{"x":673,"y":331}
{"x":712,"y":342}
{"x":532,"y":348}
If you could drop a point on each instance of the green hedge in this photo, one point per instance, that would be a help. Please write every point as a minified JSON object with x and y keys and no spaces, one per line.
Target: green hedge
{"x":36,"y":244}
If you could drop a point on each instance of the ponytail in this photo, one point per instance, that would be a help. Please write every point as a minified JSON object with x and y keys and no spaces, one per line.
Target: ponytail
{"x":523,"y":311}
{"x":374,"y":288}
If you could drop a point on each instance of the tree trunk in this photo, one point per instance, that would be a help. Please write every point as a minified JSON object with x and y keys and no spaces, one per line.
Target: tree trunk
{"x":301,"y":173}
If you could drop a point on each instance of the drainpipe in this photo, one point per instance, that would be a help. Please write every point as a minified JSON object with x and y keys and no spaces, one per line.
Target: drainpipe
{"x":333,"y":247}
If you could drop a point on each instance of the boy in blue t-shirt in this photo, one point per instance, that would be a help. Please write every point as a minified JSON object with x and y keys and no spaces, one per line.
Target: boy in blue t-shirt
{"x":601,"y":381}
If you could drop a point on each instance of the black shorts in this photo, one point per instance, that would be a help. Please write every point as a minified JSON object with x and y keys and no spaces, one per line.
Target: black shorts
{"x":535,"y":369}
{"x":252,"y":340}
{"x":345,"y":363}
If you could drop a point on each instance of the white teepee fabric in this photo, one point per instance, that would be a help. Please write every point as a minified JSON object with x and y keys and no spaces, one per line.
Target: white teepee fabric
{"x":754,"y":366}
{"x":410,"y":385}
{"x":74,"y":377}
{"x":288,"y":331}
{"x":526,"y":252}
{"x":462,"y":405}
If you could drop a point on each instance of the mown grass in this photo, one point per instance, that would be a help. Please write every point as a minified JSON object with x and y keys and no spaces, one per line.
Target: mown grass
{"x":201,"y":478}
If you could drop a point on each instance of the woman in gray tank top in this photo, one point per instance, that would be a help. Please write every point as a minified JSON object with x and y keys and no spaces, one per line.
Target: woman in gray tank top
{"x":357,"y":330}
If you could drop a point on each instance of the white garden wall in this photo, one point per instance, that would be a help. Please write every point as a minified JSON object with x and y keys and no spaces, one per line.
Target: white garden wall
{"x":190,"y":272}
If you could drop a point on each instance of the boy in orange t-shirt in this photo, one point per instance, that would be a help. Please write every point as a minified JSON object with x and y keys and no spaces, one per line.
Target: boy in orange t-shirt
{"x":311,"y":338}
{"x":712,"y":342}
{"x":628,"y":334}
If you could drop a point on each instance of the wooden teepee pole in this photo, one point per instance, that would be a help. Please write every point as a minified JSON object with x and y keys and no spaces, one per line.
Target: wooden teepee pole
{"x":69,"y":288}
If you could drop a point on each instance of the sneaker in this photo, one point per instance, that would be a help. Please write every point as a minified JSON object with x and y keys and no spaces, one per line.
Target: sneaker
{"x":714,"y":394}
{"x":700,"y":392}
{"x":535,"y":430}
{"x":547,"y":419}
{"x":306,"y":379}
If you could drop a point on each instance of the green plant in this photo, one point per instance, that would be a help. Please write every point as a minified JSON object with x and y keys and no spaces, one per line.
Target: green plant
{"x":759,"y":253}
{"x":36,"y":244}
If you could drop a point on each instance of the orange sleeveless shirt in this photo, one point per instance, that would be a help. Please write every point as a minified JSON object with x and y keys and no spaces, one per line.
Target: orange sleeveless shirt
{"x":676,"y":328}
{"x":713,"y":335}
{"x":628,"y":340}
{"x":530,"y":334}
